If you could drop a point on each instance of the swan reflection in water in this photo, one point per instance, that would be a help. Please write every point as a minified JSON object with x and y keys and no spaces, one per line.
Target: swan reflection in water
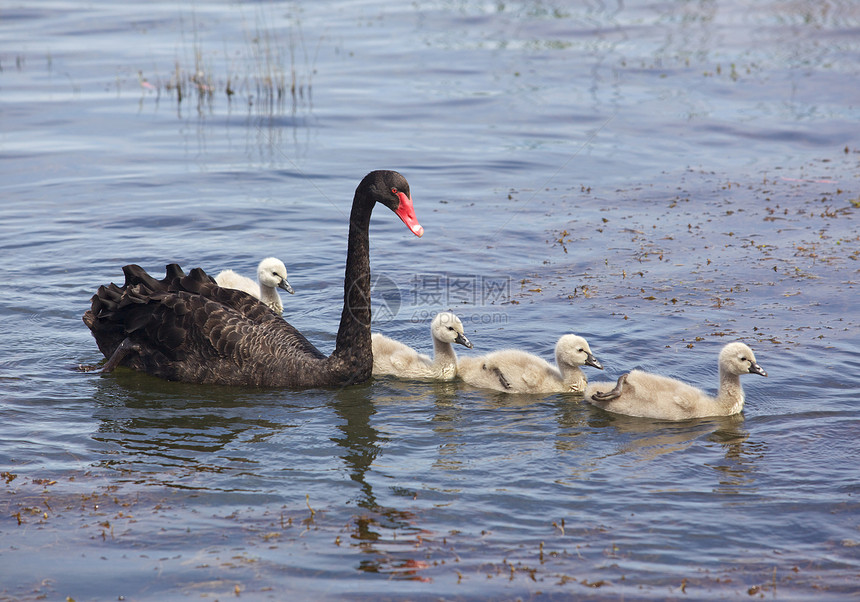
{"x":229,"y":443}
{"x":659,"y":443}
{"x":369,"y":531}
{"x":178,"y":435}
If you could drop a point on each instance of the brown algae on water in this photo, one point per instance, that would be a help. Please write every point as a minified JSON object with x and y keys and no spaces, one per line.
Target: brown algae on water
{"x":715,"y":245}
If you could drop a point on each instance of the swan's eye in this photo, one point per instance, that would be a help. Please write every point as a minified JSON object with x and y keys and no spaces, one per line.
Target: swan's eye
{"x":394,"y":191}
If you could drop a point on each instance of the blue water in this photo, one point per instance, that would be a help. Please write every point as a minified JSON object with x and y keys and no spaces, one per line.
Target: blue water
{"x":661,"y":178}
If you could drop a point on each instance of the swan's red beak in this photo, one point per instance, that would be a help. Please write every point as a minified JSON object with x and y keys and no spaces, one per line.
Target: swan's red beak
{"x":406,"y":212}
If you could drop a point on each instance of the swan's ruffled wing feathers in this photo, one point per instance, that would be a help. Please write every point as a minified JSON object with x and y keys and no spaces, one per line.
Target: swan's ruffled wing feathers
{"x":399,"y":360}
{"x":187,"y":328}
{"x":200,"y":283}
{"x":383,"y":348}
{"x":240,"y":337}
{"x":661,"y":385}
{"x":136,"y":275}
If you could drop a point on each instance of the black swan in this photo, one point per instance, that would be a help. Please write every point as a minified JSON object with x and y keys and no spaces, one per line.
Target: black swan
{"x":187,"y":328}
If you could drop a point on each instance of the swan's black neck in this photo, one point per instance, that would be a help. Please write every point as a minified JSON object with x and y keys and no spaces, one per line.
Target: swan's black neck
{"x":353,"y":353}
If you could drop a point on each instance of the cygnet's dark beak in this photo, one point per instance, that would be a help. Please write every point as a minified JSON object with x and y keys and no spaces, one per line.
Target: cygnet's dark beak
{"x":756,"y":369}
{"x":461,"y":338}
{"x":590,"y":360}
{"x":286,"y":286}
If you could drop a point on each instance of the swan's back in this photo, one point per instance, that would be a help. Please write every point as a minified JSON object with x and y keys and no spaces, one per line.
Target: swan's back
{"x":187,"y":328}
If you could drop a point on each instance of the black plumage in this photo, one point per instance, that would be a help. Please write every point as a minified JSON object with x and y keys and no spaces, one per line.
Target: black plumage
{"x":187,"y":328}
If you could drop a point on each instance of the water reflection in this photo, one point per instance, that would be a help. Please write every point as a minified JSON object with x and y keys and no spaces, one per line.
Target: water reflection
{"x":737,"y":474}
{"x":669,"y":445}
{"x":446,"y":423}
{"x":359,"y":439}
{"x":572,"y":420}
{"x":384,"y":534}
{"x":225,"y":440}
{"x":647,"y":440}
{"x":175,"y":434}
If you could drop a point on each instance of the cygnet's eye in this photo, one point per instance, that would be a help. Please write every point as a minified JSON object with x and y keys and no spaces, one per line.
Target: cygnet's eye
{"x":450,"y":328}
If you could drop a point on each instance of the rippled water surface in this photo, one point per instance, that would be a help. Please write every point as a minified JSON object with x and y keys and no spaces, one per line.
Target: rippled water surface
{"x":659,"y":177}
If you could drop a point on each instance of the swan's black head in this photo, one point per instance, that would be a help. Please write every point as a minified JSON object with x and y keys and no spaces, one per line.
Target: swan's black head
{"x":392,"y":190}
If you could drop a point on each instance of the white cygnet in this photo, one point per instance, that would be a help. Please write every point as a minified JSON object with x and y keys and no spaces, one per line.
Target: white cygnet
{"x":639,"y":393}
{"x":393,"y":358}
{"x":271,"y":273}
{"x":514,"y":371}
